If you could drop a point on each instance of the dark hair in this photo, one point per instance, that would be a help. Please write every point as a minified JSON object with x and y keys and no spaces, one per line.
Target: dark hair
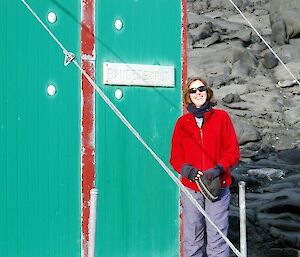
{"x":210,"y":92}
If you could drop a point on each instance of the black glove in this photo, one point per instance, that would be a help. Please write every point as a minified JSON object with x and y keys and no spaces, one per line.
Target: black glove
{"x":212,"y":173}
{"x":190,"y":172}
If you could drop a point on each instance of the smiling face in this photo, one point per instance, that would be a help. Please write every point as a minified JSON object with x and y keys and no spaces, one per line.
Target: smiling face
{"x":198,"y":98}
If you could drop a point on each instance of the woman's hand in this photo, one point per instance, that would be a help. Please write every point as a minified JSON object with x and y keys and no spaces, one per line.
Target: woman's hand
{"x":212,"y":173}
{"x":190,"y":172}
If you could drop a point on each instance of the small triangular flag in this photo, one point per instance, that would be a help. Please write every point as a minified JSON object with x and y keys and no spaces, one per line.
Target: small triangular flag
{"x":69,"y":57}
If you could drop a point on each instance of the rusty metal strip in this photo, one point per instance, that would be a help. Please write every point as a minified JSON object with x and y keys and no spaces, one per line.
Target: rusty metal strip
{"x":87,"y":116}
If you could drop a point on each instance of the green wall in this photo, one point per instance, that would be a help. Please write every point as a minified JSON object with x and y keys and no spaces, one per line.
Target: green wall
{"x":138,"y":211}
{"x":39,"y":134}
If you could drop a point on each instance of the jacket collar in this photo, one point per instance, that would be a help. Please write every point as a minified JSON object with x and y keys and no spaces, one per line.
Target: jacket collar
{"x":191,"y":118}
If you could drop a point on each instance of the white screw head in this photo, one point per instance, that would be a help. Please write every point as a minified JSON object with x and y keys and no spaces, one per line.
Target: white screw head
{"x":118,"y":94}
{"x":51,"y":90}
{"x":52,"y":17}
{"x":118,"y":24}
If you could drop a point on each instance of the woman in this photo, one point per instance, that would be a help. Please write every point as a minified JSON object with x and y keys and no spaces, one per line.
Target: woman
{"x":204,"y":145}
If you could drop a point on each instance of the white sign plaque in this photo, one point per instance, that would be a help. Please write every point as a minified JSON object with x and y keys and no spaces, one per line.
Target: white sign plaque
{"x":138,"y":74}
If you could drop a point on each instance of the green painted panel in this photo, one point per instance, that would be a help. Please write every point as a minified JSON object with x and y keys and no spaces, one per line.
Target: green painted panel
{"x":39,"y":134}
{"x":138,"y":211}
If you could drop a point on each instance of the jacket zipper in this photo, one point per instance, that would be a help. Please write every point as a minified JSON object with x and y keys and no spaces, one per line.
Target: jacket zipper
{"x":201,"y":138}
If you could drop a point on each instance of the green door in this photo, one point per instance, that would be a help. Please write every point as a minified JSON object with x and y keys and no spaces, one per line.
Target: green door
{"x":39,"y":133}
{"x":138,"y":210}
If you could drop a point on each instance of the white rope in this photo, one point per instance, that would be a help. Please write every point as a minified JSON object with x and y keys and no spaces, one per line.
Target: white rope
{"x":155,"y":156}
{"x":140,"y":139}
{"x":266,"y":43}
{"x":65,"y":51}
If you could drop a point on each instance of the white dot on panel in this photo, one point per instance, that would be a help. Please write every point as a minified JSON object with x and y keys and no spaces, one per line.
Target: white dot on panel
{"x":118,"y":94}
{"x":51,"y":90}
{"x":118,"y":24}
{"x":52,"y":17}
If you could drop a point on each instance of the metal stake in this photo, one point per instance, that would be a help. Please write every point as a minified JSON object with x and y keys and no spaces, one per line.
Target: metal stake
{"x":92,"y":222}
{"x":242,"y":205}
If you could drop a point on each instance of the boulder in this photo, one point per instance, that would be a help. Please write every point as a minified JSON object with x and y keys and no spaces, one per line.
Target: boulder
{"x":284,"y":19}
{"x":270,"y":61}
{"x":246,"y":132}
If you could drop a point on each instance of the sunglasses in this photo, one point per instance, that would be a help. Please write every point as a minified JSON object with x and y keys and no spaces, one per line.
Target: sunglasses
{"x":200,"y":89}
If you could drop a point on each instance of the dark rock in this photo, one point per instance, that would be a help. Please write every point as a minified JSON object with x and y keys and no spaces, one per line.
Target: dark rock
{"x":220,"y":80}
{"x":291,"y":156}
{"x":290,"y":238}
{"x":257,"y":48}
{"x":284,"y":19}
{"x":273,"y":207}
{"x":246,"y":132}
{"x":232,"y":98}
{"x":277,"y":187}
{"x":253,"y":146}
{"x":279,"y":35}
{"x":205,"y":30}
{"x":200,"y":6}
{"x":284,"y":252}
{"x":263,"y":153}
{"x":215,"y":37}
{"x":276,"y":165}
{"x":192,"y":25}
{"x":270,"y":61}
{"x":190,"y":41}
{"x":219,"y":4}
{"x":244,"y":35}
{"x":246,"y":153}
{"x":245,"y":65}
{"x":251,"y":182}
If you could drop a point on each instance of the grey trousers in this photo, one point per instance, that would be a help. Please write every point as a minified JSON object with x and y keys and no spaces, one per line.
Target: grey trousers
{"x":199,"y":235}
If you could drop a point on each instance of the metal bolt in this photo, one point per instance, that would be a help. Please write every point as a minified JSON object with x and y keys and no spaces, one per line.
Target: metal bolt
{"x":52,"y":17}
{"x":51,"y":90}
{"x":118,"y":94}
{"x":118,"y":24}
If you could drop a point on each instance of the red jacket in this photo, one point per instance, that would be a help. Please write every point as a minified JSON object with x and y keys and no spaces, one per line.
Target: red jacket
{"x":204,"y":148}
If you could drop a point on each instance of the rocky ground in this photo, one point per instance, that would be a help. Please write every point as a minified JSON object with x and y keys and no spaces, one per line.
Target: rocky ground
{"x":263,"y":99}
{"x":272,"y":201}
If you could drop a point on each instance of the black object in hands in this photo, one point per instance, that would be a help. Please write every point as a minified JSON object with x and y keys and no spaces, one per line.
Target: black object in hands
{"x":210,"y":183}
{"x":209,"y":188}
